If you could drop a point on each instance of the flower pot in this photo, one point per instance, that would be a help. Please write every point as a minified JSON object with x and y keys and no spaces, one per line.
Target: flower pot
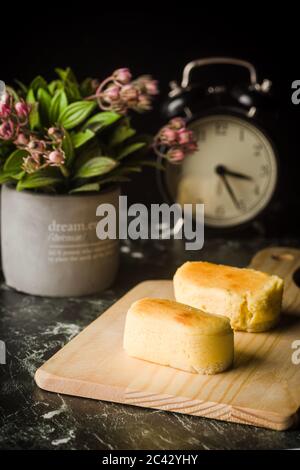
{"x":49,"y":243}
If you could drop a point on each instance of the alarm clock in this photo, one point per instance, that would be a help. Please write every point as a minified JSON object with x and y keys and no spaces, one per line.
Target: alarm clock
{"x":234,"y":172}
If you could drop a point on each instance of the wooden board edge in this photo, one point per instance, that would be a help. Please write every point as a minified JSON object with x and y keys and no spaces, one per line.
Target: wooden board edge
{"x":224,"y":412}
{"x":269,"y":251}
{"x":59,"y":384}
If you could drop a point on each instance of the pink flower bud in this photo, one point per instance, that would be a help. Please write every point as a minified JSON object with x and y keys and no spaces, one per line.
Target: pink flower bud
{"x":122,"y":75}
{"x":144,"y":103}
{"x":7,"y":130}
{"x":4,"y":110}
{"x":184,"y":136}
{"x":177,"y":123}
{"x":38,"y":145}
{"x":36,"y":157}
{"x":168,"y":135}
{"x":175,"y":155}
{"x":112,"y":93}
{"x":21,"y":139}
{"x":56,"y":158}
{"x":129,"y":93}
{"x":152,"y":87}
{"x":191,"y":147}
{"x":56,"y":133}
{"x":22,"y":109}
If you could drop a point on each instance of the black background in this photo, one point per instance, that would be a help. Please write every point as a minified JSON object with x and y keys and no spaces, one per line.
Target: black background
{"x":148,"y":39}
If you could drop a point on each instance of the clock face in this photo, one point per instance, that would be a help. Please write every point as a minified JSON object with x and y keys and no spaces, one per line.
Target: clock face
{"x":233,"y":173}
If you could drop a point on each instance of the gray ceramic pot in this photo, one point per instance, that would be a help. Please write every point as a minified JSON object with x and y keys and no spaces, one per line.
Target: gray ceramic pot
{"x":49,"y":243}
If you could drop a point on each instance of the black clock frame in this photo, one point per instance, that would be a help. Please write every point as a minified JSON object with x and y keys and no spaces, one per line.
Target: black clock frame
{"x":244,"y":102}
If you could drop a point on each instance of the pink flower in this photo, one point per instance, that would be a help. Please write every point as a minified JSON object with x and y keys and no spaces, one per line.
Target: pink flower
{"x":22,"y":109}
{"x":168,"y":135}
{"x":177,"y":123}
{"x":38,"y":145}
{"x":36,"y":157}
{"x":56,"y":133}
{"x":152,"y":87}
{"x":5,"y":110}
{"x":7,"y":130}
{"x":56,"y":158}
{"x":144,"y":103}
{"x":184,"y":136}
{"x":175,"y":155}
{"x":191,"y":147}
{"x":129,"y":93}
{"x":122,"y":75}
{"x":21,"y":139}
{"x":112,"y":93}
{"x":119,"y":93}
{"x":175,"y":141}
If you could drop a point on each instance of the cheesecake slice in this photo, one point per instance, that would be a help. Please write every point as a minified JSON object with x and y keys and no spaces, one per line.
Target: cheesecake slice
{"x":179,"y":336}
{"x":250,"y":298}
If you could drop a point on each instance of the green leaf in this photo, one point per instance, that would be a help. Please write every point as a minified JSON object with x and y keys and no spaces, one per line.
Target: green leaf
{"x":44,"y":102}
{"x":38,"y":82}
{"x":38,"y":179}
{"x":14,"y":162}
{"x":151,"y":163}
{"x":22,"y":86}
{"x":66,"y":74}
{"x":5,"y":150}
{"x":95,"y":167}
{"x":85,"y":188}
{"x":30,"y":98}
{"x":101,"y":120}
{"x":72,"y":91}
{"x":130,"y":169}
{"x":91,"y":149}
{"x":76,"y":113}
{"x":114,"y":179}
{"x":5,"y":178}
{"x":68,"y":147}
{"x":70,"y":83}
{"x":34,"y":117}
{"x":58,"y":103}
{"x":55,"y":85}
{"x":130,"y":149}
{"x":121,"y":133}
{"x":80,"y":138}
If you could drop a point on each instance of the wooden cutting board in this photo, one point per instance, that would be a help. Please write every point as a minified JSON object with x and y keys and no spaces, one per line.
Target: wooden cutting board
{"x":262,"y":389}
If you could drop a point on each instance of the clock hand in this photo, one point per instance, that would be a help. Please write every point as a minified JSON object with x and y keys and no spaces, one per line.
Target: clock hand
{"x":230,"y":191}
{"x":222,"y":170}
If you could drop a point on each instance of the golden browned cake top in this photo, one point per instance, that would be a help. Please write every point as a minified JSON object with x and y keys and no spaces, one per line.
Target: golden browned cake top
{"x":212,"y":275}
{"x":181,"y":314}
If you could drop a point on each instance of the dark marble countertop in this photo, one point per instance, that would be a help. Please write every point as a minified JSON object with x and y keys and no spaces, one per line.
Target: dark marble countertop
{"x":34,"y":328}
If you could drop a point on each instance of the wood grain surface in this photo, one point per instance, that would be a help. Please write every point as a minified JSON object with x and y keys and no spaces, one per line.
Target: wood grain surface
{"x":262,"y":388}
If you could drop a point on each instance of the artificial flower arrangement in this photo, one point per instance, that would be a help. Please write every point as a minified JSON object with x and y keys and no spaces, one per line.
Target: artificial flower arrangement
{"x":69,"y":137}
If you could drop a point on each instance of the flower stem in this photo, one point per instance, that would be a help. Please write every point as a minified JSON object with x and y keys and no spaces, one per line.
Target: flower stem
{"x":65,"y":172}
